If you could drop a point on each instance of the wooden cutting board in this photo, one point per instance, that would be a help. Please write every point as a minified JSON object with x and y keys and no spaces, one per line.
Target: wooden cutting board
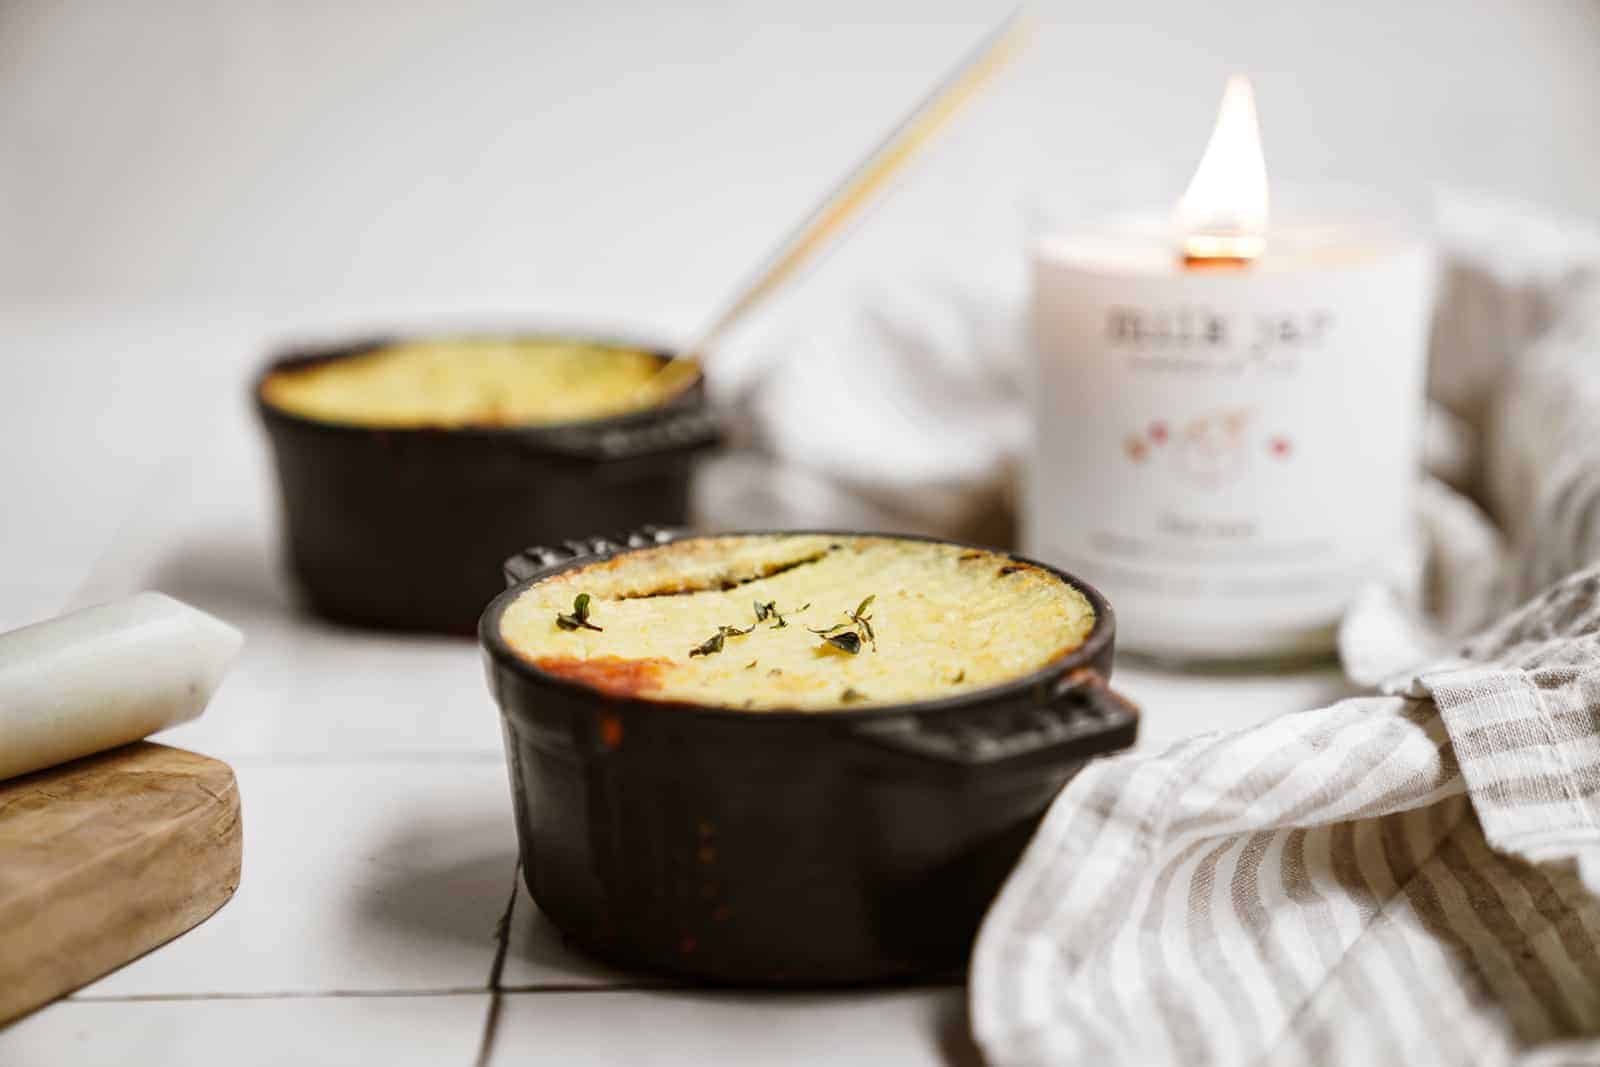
{"x":104,"y":858}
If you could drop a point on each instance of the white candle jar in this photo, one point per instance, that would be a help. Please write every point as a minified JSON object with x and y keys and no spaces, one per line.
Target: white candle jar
{"x":1228,"y":453}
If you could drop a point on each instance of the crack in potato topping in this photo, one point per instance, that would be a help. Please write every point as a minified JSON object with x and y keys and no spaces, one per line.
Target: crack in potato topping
{"x":690,"y":621}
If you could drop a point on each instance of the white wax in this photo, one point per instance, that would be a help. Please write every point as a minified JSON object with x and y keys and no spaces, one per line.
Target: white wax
{"x":1228,"y":453}
{"x":106,"y":676}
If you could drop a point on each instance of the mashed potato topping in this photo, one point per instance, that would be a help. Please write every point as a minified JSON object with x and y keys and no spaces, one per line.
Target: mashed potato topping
{"x":730,"y":621}
{"x":470,"y":382}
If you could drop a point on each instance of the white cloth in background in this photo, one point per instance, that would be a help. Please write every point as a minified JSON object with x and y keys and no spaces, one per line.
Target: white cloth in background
{"x":1512,"y":501}
{"x":906,"y":414}
{"x":1398,"y":879}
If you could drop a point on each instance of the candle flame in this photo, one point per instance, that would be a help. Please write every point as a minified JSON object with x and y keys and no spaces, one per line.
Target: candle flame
{"x":1223,"y":213}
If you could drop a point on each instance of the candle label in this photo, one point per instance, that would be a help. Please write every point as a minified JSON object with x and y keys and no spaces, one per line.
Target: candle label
{"x":1187,"y":339}
{"x":1226,"y":455}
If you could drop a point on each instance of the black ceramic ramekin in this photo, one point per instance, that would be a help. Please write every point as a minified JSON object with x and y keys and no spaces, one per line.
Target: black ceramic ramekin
{"x":784,"y":847}
{"x":406,"y":528}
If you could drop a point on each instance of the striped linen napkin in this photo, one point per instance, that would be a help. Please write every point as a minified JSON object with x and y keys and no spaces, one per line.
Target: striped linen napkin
{"x":1407,"y":878}
{"x":1389,"y":880}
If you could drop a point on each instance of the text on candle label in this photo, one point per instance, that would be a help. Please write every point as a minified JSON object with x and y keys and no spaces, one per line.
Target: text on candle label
{"x":1193,"y":338}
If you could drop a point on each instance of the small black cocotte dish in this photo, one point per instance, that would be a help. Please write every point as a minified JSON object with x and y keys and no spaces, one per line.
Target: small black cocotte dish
{"x":406,"y":528}
{"x":784,"y":848}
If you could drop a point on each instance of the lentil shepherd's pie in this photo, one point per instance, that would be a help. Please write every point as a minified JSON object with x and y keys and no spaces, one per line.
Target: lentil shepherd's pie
{"x":810,"y":622}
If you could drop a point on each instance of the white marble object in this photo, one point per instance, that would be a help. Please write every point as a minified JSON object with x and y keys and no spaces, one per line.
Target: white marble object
{"x":104,"y":676}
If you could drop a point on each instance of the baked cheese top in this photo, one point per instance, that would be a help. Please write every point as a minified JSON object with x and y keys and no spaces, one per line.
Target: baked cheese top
{"x":730,"y":621}
{"x":470,"y":382}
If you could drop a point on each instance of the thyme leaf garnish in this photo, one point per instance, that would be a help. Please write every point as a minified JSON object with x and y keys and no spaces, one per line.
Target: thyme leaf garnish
{"x":849,"y":641}
{"x":713,"y":644}
{"x":851,"y":695}
{"x":709,"y":645}
{"x":841,"y":636}
{"x":769,"y":610}
{"x":864,"y":621}
{"x":579,"y":619}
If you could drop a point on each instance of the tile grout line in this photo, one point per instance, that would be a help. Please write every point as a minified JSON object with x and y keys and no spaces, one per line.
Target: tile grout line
{"x":314,"y":761}
{"x":491,"y":1019}
{"x":637,"y":986}
{"x":669,"y":986}
{"x":584,"y":987}
{"x":282,"y":994}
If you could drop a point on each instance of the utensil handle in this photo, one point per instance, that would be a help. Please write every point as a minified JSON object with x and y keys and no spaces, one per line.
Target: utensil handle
{"x":859,"y":190}
{"x":1083,"y":717}
{"x":534,"y":561}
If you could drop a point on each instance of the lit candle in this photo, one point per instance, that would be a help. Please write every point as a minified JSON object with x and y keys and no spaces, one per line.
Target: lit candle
{"x":1228,"y":414}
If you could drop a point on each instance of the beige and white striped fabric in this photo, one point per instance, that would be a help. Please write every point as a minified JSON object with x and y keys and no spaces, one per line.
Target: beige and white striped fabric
{"x":1390,"y":880}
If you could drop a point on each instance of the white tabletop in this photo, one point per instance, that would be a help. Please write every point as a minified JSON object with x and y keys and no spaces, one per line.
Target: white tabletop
{"x":380,"y":862}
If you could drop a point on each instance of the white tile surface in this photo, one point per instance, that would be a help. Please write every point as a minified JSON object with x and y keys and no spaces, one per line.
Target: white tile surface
{"x":306,"y":690}
{"x":538,"y":956}
{"x":328,"y":1031}
{"x":906,"y":1028}
{"x":381,"y":876}
{"x":207,"y":534}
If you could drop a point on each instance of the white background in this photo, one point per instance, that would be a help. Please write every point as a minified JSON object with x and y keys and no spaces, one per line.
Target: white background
{"x":616,"y":160}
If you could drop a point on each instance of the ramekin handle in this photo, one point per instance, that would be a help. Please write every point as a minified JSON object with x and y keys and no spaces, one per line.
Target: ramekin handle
{"x":533,"y":562}
{"x":1082,"y":717}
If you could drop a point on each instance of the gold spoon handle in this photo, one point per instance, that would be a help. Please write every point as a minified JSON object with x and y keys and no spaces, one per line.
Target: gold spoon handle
{"x":829,"y":219}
